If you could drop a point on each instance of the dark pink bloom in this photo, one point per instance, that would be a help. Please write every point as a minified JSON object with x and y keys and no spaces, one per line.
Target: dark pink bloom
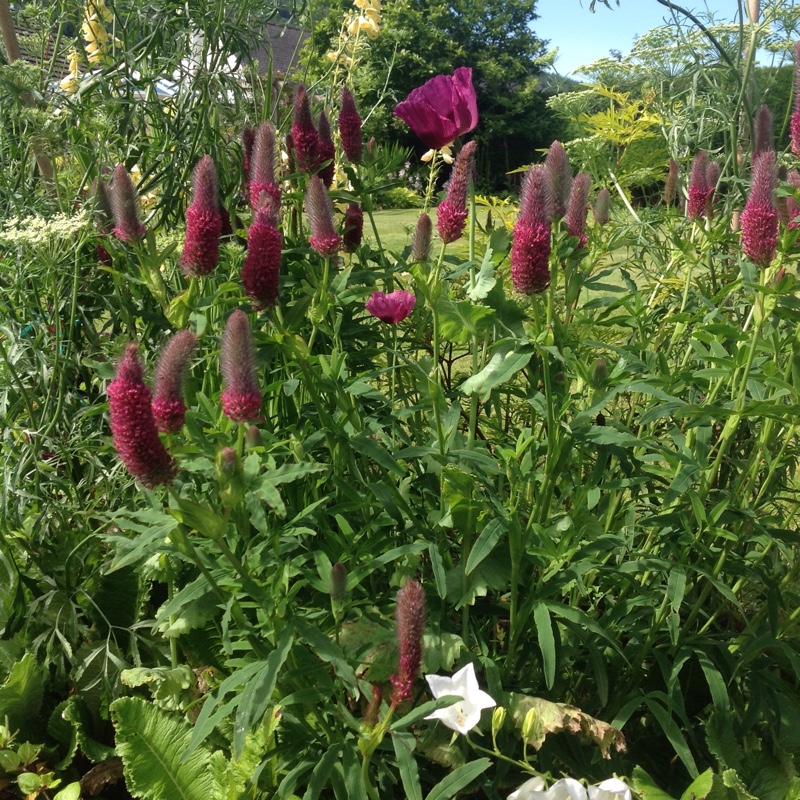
{"x":241,"y":397}
{"x":764,"y":138}
{"x":248,"y":140}
{"x":671,"y":185}
{"x":578,"y":208}
{"x":350,"y":128}
{"x":305,"y":138}
{"x":759,"y":219}
{"x":699,"y":189}
{"x":262,"y":264}
{"x":262,"y":170}
{"x":319,"y":209}
{"x":557,"y":164}
{"x":421,"y":239}
{"x":133,"y":427}
{"x":530,"y":249}
{"x":169,"y":409}
{"x":391,"y":308}
{"x":602,"y":207}
{"x":326,"y":151}
{"x":794,"y":125}
{"x":125,"y":204}
{"x":410,"y":625}
{"x":203,"y":222}
{"x":451,"y":215}
{"x":442,"y":109}
{"x":352,"y":228}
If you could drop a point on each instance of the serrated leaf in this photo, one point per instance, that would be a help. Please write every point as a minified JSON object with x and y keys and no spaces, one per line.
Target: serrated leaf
{"x":151,"y":743}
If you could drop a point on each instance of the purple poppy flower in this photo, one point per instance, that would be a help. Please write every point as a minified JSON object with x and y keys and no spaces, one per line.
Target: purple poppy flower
{"x":442,"y":109}
{"x":391,"y":308}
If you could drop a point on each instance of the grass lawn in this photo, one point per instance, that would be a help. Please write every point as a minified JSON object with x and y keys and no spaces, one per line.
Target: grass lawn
{"x":395,"y":227}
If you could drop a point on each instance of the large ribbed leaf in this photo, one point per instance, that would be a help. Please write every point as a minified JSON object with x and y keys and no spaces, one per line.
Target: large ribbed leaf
{"x":21,"y":697}
{"x":151,"y":743}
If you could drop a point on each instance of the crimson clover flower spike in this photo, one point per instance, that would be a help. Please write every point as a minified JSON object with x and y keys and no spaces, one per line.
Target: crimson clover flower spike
{"x":305,"y":139}
{"x":530,"y":248}
{"x":452,"y":211}
{"x":602,"y":207}
{"x":319,"y":210}
{"x":103,"y":215}
{"x":391,"y":308}
{"x":464,"y":715}
{"x":241,"y":397}
{"x":421,"y":238}
{"x":713,"y":170}
{"x":262,"y":264}
{"x":764,"y":138}
{"x":125,"y":205}
{"x":410,"y":614}
{"x":442,"y":109}
{"x":794,"y":123}
{"x":698,"y":186}
{"x":557,"y":164}
{"x":133,"y":426}
{"x":759,"y":218}
{"x":352,"y":228}
{"x":169,"y":409}
{"x":671,"y":184}
{"x":262,"y":169}
{"x":248,"y":141}
{"x":326,"y":151}
{"x":350,"y":128}
{"x":578,"y":208}
{"x":203,"y":222}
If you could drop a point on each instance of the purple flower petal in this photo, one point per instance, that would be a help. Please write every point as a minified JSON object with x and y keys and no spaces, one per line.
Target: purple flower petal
{"x":391,"y":308}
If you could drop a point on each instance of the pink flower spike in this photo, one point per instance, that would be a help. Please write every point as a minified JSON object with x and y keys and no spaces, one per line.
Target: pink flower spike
{"x":410,"y":616}
{"x":557,"y":164}
{"x":262,"y":171}
{"x":133,"y":426}
{"x":699,"y":189}
{"x":305,"y":138}
{"x":203,"y":222}
{"x":391,"y":308}
{"x":352,"y":228}
{"x":578,"y":208}
{"x":350,"y":128}
{"x":319,"y":209}
{"x":262,"y":264}
{"x":241,"y":397}
{"x":442,"y":109}
{"x":452,"y":211}
{"x":759,"y":219}
{"x":169,"y":409}
{"x":125,"y":204}
{"x":794,"y":125}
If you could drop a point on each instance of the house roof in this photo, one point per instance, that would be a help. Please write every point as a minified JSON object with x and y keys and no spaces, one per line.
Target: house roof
{"x":284,"y":43}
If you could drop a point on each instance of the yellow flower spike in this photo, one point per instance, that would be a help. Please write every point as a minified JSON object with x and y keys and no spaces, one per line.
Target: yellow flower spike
{"x":373,"y":15}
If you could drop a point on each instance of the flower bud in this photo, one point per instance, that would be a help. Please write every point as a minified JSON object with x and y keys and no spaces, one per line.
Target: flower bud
{"x":253,"y":437}
{"x":498,"y":718}
{"x":578,"y":208}
{"x":125,"y":204}
{"x":338,"y":582}
{"x":421,"y":239}
{"x":530,"y":725}
{"x":226,"y":464}
{"x":764,"y":138}
{"x":169,"y":409}
{"x":599,"y":373}
{"x":602,"y":207}
{"x":557,"y":164}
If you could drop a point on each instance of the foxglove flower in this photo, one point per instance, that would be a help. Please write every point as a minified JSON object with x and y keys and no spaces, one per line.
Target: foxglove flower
{"x":671,"y":185}
{"x":410,"y":625}
{"x":391,"y":308}
{"x":578,"y":208}
{"x":794,"y":124}
{"x":464,"y":715}
{"x":262,"y":170}
{"x":759,"y":219}
{"x":557,"y":164}
{"x":442,"y":109}
{"x":133,"y":427}
{"x":451,"y":215}
{"x":241,"y":397}
{"x":125,"y":205}
{"x":764,"y":138}
{"x":248,"y":141}
{"x":262,"y":264}
{"x":352,"y":228}
{"x":530,"y":249}
{"x":699,"y":189}
{"x":319,"y":209}
{"x":326,"y":151}
{"x":421,"y":238}
{"x":169,"y":409}
{"x":203,"y":222}
{"x":305,"y":138}
{"x":602,"y":207}
{"x":350,"y":128}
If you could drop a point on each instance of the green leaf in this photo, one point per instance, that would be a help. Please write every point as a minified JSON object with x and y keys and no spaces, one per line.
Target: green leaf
{"x":485,"y":543}
{"x":71,"y":791}
{"x":484,"y":280}
{"x":673,"y":733}
{"x":322,"y":772}
{"x":404,"y":744}
{"x":700,"y":786}
{"x":459,"y":778}
{"x":151,"y":742}
{"x":424,"y":710}
{"x":329,"y":651}
{"x":499,"y":369}
{"x":547,"y":644}
{"x":460,"y":321}
{"x":647,"y":787}
{"x":21,"y":697}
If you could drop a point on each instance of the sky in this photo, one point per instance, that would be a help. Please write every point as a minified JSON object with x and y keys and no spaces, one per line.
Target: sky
{"x":582,"y":37}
